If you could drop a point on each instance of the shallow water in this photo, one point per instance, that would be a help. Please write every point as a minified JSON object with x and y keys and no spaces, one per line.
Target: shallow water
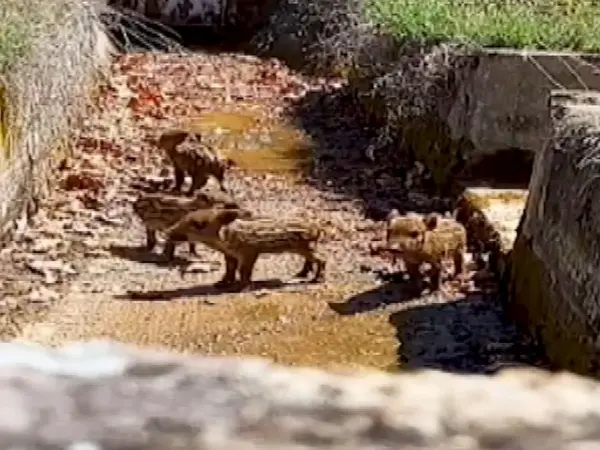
{"x":255,"y":144}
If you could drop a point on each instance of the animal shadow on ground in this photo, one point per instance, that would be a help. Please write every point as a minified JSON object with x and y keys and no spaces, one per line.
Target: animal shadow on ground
{"x":142,"y":255}
{"x":379,"y":297}
{"x":469,"y":335}
{"x":199,"y":291}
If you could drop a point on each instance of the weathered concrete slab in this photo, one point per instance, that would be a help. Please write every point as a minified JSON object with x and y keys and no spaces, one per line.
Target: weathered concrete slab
{"x":448,"y":104}
{"x":105,"y":396}
{"x":555,"y":286}
{"x":502,"y":103}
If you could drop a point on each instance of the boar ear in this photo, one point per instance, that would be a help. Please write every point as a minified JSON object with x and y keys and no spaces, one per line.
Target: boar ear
{"x":431,"y":221}
{"x":392,"y":214}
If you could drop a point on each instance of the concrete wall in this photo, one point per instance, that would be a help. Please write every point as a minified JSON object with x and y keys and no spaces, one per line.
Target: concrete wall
{"x":502,"y":103}
{"x":64,"y":71}
{"x":101,"y":396}
{"x":448,"y":103}
{"x":555,"y":280}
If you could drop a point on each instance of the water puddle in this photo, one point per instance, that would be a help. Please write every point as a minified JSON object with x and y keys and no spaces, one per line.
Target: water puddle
{"x":254,"y":142}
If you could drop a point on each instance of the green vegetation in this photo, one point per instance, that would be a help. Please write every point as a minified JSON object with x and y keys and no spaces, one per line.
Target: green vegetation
{"x":22,"y":21}
{"x":532,"y":24}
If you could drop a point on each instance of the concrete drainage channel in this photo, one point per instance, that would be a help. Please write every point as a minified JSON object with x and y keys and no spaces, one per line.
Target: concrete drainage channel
{"x":295,"y":155}
{"x":75,"y":275}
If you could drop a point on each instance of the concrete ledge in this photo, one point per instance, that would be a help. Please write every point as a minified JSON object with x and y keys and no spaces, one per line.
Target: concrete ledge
{"x":502,"y":103}
{"x":102,"y":395}
{"x":555,"y":286}
{"x":65,"y":71}
{"x":446,"y":103}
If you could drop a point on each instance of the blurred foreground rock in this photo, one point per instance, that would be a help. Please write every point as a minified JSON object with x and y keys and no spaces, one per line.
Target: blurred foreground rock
{"x":101,"y":395}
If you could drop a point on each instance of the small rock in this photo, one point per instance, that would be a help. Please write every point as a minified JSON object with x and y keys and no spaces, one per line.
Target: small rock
{"x":44,"y":245}
{"x":6,"y":253}
{"x":79,"y":228}
{"x":42,"y":267}
{"x":200,"y":267}
{"x":95,"y":270}
{"x":284,"y":319}
{"x":365,"y":269}
{"x":105,"y":218}
{"x":43,"y":295}
{"x":261,"y":293}
{"x":50,"y":278}
{"x":91,"y":243}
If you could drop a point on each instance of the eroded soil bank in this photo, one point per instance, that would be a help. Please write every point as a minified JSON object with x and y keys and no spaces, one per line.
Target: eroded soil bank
{"x":75,"y":273}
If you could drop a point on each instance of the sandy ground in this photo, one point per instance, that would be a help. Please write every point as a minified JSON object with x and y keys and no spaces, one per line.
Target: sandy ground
{"x":77,"y":271}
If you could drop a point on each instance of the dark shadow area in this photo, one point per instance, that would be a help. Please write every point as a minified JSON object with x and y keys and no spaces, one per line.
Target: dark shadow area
{"x":134,"y":32}
{"x":505,"y":169}
{"x":199,"y":291}
{"x":389,"y":294}
{"x":142,"y":255}
{"x":471,"y":335}
{"x":341,"y":139}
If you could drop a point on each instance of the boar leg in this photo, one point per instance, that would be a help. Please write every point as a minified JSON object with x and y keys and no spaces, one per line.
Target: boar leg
{"x":306,"y":268}
{"x":169,"y":250}
{"x":199,"y":179}
{"x":435,"y":275}
{"x":179,"y":178}
{"x":228,"y":279}
{"x":414,"y":272}
{"x":319,"y":275}
{"x":222,"y":186}
{"x":459,"y":262}
{"x":150,"y":238}
{"x":246,"y":267}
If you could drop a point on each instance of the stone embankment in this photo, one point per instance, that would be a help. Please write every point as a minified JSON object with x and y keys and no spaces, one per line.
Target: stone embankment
{"x":554,"y":280}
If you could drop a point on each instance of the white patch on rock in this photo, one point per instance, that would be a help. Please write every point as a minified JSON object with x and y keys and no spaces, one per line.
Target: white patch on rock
{"x":84,"y":445}
{"x":88,"y":360}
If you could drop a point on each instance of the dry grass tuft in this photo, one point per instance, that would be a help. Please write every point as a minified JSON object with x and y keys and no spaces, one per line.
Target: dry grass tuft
{"x":320,"y":37}
{"x":49,"y":57}
{"x":52,"y":54}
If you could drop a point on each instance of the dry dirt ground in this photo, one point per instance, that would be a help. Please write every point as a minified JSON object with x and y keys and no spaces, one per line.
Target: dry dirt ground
{"x":77,"y":273}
